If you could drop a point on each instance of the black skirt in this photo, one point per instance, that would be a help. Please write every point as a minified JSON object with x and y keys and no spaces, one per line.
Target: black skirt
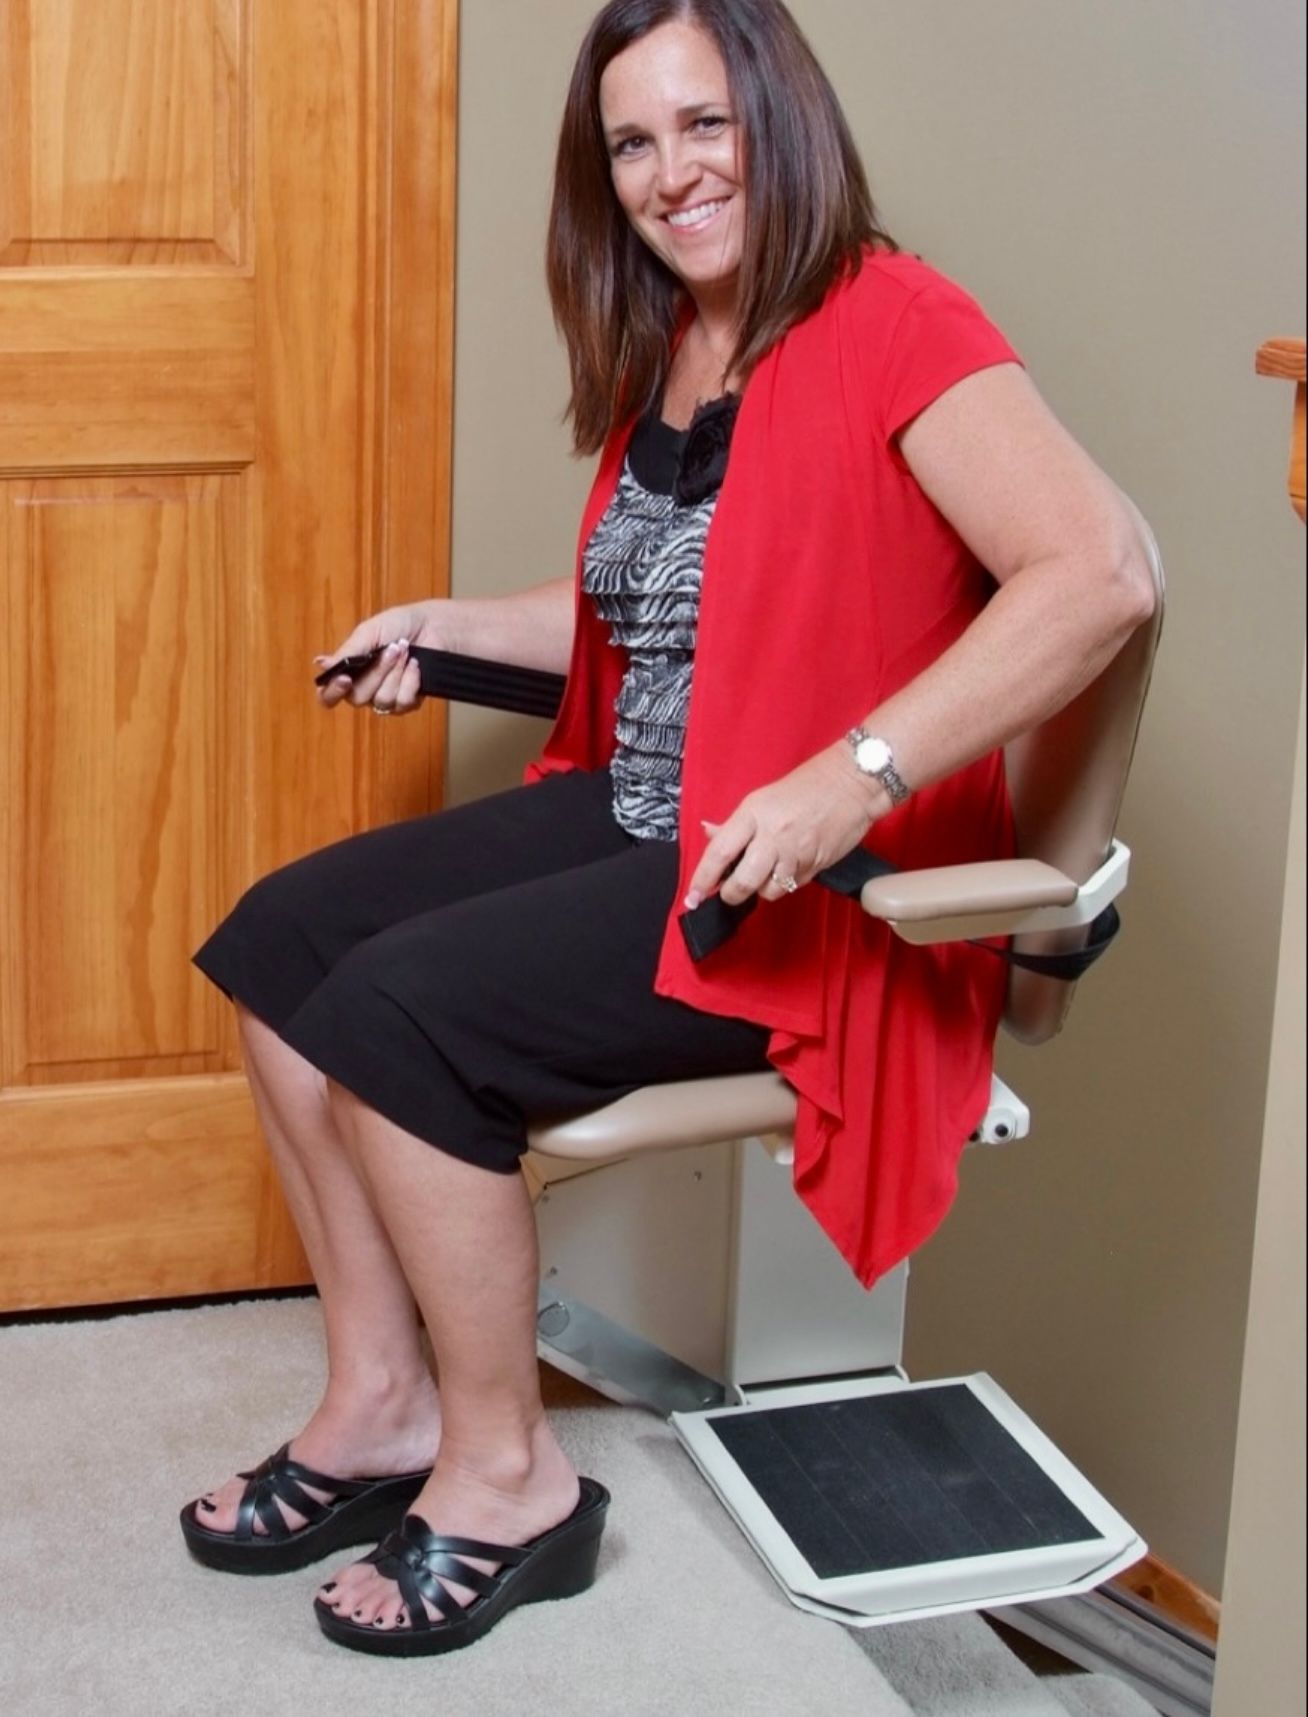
{"x":472,"y":973}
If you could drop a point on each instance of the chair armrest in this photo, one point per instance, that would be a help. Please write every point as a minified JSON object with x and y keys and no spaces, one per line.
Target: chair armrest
{"x":957,"y":890}
{"x":1003,"y":897}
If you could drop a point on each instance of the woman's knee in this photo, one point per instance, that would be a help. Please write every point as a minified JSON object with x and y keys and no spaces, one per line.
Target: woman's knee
{"x":271,"y":1060}
{"x":363,"y":999}
{"x":270,"y":910}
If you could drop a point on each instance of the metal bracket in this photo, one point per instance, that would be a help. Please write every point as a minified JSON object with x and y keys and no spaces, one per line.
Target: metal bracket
{"x":586,"y":1345}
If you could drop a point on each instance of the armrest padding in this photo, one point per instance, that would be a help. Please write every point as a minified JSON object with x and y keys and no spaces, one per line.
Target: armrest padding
{"x":963,"y":890}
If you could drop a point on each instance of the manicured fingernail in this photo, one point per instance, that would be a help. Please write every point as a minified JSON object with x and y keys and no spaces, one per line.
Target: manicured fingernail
{"x":693,"y":900}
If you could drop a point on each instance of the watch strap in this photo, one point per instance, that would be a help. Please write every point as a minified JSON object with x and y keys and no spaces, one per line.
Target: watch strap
{"x":897,"y":789}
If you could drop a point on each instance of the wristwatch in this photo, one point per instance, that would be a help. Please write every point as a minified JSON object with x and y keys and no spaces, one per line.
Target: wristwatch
{"x":873,"y":756}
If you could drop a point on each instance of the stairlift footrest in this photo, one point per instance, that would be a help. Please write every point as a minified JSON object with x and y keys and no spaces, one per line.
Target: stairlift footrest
{"x":934,"y":1498}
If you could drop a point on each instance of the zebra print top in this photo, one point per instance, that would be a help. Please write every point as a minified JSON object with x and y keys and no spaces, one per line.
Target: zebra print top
{"x":642,"y":569}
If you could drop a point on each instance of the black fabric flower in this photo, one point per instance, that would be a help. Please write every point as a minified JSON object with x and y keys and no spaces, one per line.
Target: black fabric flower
{"x":704,"y":456}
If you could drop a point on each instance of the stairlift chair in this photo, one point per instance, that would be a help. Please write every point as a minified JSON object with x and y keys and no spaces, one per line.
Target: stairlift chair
{"x":681,"y":1272}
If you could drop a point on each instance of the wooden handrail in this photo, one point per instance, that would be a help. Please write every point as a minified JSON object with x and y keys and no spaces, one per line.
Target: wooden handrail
{"x":1286,"y":360}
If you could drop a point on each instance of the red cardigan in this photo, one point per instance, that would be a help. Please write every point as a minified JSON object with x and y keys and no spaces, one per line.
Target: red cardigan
{"x":829,"y":581}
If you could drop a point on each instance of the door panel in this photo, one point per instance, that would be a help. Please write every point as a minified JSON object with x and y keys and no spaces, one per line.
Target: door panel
{"x":156,"y":1184}
{"x":121,"y":591}
{"x":127,"y":126}
{"x":226,"y":257}
{"x":126,"y":370}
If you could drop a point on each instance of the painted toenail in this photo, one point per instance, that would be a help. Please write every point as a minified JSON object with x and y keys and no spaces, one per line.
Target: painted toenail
{"x":207,"y":1506}
{"x":330,"y":1586}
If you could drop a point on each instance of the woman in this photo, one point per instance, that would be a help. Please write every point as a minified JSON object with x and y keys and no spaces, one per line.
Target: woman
{"x":861,"y":442}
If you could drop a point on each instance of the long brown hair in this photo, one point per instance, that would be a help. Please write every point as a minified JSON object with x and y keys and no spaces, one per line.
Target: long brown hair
{"x":809,"y":210}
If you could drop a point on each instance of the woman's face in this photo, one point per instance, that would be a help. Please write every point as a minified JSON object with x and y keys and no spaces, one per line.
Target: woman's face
{"x":675,"y":156}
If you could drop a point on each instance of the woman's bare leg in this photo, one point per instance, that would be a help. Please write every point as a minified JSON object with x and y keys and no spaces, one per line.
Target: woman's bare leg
{"x":379,"y":1413}
{"x":466,"y":1240}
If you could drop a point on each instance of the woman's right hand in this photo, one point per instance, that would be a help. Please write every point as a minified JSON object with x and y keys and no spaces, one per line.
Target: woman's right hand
{"x":390,"y":687}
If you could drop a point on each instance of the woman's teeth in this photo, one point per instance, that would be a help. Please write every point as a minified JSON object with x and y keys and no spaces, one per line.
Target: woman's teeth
{"x":695,"y":217}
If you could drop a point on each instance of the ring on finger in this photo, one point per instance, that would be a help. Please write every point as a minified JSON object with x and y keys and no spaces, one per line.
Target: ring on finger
{"x":782,"y":880}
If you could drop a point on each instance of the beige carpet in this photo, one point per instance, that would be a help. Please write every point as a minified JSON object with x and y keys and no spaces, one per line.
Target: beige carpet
{"x":107,"y":1426}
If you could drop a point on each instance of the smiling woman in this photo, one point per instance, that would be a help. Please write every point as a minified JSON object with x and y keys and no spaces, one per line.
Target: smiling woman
{"x":736,"y":178}
{"x":820,"y":459}
{"x":677,"y":165}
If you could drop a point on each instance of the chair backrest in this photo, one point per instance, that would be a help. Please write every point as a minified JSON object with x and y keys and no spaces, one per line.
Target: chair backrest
{"x":1067,"y":779}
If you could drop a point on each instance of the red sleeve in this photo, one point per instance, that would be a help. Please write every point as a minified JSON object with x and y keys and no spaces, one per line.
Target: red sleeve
{"x":942,"y":336}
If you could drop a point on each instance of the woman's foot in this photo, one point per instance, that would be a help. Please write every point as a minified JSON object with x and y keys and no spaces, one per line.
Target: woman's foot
{"x":378,"y":1431}
{"x":500,"y":1499}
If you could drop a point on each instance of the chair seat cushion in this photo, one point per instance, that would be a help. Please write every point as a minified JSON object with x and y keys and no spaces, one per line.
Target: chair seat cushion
{"x":667,"y":1117}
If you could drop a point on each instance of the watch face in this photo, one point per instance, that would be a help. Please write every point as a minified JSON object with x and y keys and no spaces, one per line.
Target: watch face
{"x":872,"y":755}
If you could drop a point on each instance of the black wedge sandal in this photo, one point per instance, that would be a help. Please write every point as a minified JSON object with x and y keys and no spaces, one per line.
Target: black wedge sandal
{"x":361,"y":1510}
{"x":558,"y":1564}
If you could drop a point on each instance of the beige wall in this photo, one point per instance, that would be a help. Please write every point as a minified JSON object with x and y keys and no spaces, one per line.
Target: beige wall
{"x":1261,"y":1663}
{"x":1122,"y":185}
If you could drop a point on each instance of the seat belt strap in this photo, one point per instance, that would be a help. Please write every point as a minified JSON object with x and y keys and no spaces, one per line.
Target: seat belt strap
{"x":714,"y":922}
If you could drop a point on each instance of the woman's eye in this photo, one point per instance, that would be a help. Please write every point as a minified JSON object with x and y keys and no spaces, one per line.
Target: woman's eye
{"x":710,"y":124}
{"x":629,"y":147}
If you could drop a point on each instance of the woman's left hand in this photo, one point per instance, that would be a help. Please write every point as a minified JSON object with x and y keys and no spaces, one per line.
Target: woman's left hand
{"x":781,"y":835}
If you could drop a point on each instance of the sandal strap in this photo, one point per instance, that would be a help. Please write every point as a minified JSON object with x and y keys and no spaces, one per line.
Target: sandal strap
{"x":419,"y":1561}
{"x":280,"y":1478}
{"x":393,"y":1561}
{"x":415,"y":1530}
{"x":434,"y":1569}
{"x":413,"y":1589}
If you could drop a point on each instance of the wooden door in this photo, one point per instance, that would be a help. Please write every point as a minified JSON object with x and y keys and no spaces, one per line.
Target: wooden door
{"x":226,"y":274}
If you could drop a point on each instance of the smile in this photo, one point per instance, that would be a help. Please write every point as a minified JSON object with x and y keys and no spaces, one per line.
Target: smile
{"x":690,"y":220}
